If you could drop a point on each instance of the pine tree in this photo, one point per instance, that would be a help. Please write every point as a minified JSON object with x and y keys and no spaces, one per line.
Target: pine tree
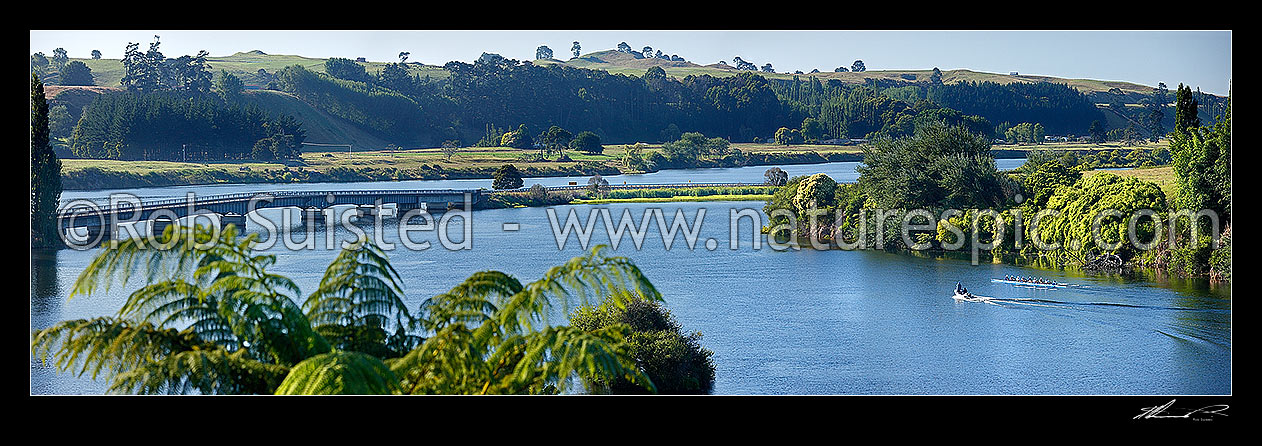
{"x":1185,"y":106}
{"x":45,"y":171}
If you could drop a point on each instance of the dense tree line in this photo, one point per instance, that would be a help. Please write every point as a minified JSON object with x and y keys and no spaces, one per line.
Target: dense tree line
{"x":494,"y":92}
{"x":383,"y":112}
{"x":1059,"y":108}
{"x":181,"y":126}
{"x":152,"y":71}
{"x":868,"y":111}
{"x":169,"y":112}
{"x":615,"y":107}
{"x":503,"y":93}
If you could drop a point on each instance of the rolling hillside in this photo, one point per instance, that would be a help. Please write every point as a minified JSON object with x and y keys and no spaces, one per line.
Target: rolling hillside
{"x":623,"y":63}
{"x":246,"y":65}
{"x":321,"y":127}
{"x":108,"y":72}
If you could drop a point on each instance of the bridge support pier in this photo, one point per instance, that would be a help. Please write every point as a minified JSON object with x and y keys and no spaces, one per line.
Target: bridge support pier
{"x":404,"y":208}
{"x":158,"y":225}
{"x":310,"y":215}
{"x":232,"y":219}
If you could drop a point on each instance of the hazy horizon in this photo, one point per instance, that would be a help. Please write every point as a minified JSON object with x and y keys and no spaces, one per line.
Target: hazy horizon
{"x":1141,"y":57}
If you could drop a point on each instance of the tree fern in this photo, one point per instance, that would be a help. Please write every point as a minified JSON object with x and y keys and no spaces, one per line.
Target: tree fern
{"x":507,"y":350}
{"x":211,"y":319}
{"x":240,"y":327}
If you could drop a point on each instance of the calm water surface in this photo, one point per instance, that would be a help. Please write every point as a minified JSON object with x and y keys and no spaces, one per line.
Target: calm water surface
{"x":809,"y":322}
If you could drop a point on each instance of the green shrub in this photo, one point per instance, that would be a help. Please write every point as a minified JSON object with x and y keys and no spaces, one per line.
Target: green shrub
{"x":673,"y":360}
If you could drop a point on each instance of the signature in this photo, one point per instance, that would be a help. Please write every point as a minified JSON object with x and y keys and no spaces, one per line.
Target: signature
{"x":1201,"y":414}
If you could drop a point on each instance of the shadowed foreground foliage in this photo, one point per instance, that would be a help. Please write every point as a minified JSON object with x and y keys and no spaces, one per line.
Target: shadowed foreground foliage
{"x":673,"y":360}
{"x":211,"y":319}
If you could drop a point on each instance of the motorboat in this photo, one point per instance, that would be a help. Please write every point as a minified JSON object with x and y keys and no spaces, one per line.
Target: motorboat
{"x":967,"y":297}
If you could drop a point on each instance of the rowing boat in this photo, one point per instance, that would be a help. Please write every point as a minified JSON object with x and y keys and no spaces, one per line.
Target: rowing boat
{"x":1035,"y":284}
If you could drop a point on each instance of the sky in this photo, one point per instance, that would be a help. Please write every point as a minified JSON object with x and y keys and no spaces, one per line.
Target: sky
{"x":1195,"y":58}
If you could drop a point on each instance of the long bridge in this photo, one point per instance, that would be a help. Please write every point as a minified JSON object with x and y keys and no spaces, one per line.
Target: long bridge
{"x":101,"y":219}
{"x":96,"y":217}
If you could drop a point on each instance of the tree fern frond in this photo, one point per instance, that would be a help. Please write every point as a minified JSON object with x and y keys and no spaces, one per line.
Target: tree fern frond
{"x":359,"y":286}
{"x":552,"y":355}
{"x":120,"y":263}
{"x":340,"y":373}
{"x":593,"y":277}
{"x":471,"y":302}
{"x":449,"y":362}
{"x":212,"y":372}
{"x":109,"y":345}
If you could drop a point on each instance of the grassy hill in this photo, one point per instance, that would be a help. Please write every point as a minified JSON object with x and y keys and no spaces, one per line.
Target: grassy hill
{"x":109,"y":72}
{"x":321,"y":127}
{"x":623,"y":63}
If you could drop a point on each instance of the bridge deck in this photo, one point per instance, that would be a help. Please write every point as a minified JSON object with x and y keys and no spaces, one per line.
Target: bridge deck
{"x":240,"y":203}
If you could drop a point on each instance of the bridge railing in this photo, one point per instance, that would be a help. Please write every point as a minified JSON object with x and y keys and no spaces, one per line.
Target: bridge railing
{"x":221,"y":198}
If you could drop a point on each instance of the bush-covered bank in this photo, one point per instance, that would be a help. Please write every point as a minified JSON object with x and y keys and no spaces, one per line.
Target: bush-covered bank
{"x":939,"y":191}
{"x":1064,"y":239}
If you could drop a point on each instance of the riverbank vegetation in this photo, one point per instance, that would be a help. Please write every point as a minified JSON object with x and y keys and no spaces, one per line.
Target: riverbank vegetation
{"x":209,"y":318}
{"x":673,"y":360}
{"x":943,"y":182}
{"x":537,"y":195}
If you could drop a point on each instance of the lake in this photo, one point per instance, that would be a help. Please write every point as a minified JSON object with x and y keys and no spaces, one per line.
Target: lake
{"x":799,"y":322}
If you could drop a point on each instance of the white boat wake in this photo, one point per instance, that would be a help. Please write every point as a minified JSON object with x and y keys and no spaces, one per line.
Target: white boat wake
{"x":970,"y":297}
{"x":997,"y":301}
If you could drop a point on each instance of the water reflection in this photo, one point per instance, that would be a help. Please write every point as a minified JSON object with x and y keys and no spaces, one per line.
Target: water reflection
{"x":46,"y":301}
